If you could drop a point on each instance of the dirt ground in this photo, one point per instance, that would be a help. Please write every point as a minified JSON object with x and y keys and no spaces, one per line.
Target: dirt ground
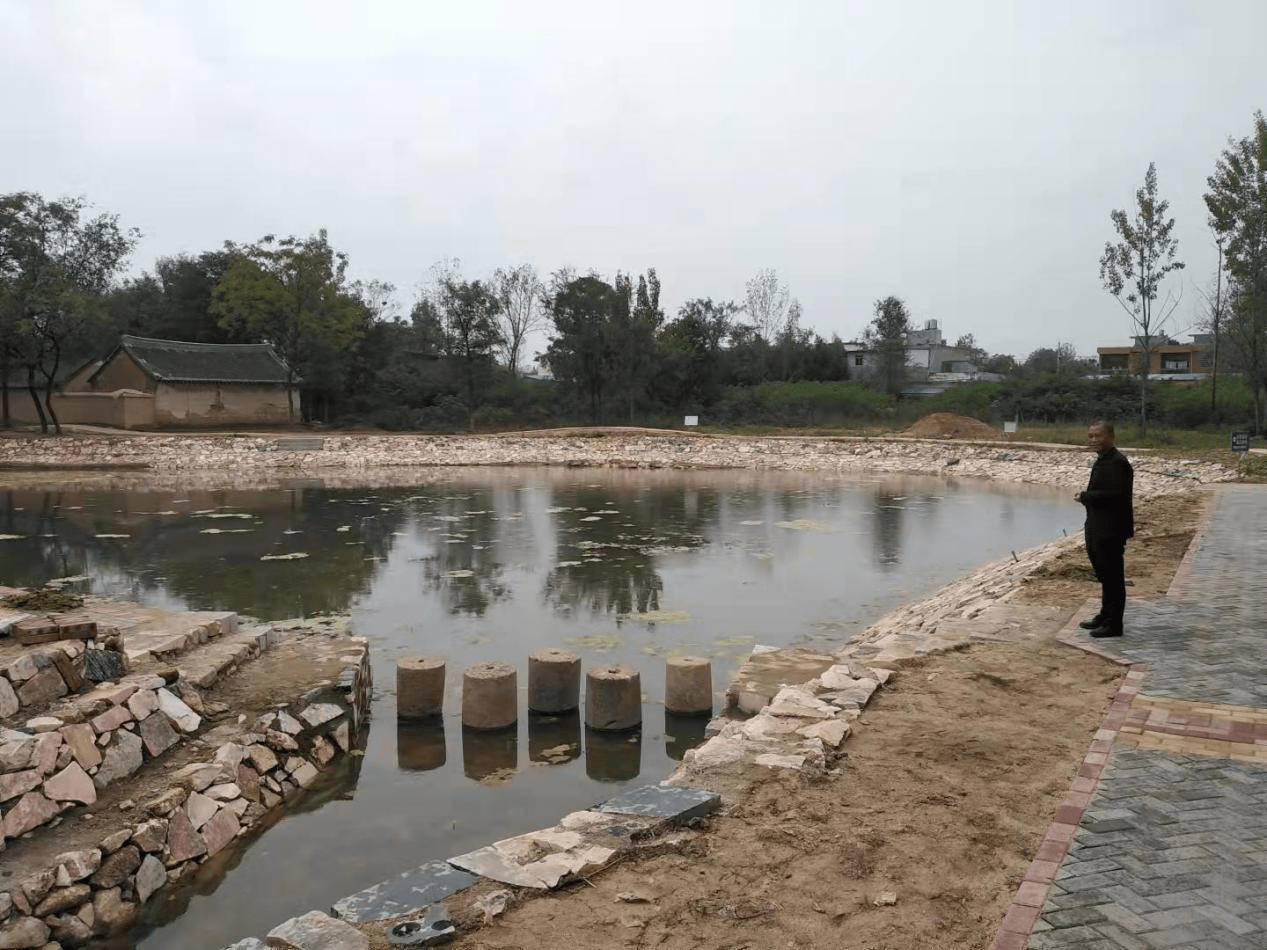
{"x":944,"y":792}
{"x":948,"y":425}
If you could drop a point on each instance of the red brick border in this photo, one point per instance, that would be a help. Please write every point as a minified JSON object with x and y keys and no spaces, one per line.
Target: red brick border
{"x":1018,"y":923}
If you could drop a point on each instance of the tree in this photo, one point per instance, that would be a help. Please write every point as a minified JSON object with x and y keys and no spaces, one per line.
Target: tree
{"x":1048,"y":361}
{"x":54,"y":272}
{"x":631,"y":332}
{"x":470,"y":310}
{"x":1237,"y":202}
{"x":291,"y":293}
{"x":1133,"y":268}
{"x":519,"y":291}
{"x":580,"y":353}
{"x":693,"y":344}
{"x":174,"y":302}
{"x":1213,"y":313}
{"x":886,"y":335}
{"x":767,"y":300}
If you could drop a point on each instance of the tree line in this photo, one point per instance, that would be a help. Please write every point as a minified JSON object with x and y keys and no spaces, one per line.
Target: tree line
{"x":454,"y":361}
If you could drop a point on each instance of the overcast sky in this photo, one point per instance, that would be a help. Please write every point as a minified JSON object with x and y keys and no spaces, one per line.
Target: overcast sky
{"x":964,"y":156}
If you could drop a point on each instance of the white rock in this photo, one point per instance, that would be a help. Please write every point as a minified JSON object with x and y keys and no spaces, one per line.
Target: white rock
{"x":175,"y":709}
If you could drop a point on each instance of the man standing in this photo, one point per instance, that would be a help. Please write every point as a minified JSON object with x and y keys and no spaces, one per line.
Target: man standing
{"x":1110,"y":521}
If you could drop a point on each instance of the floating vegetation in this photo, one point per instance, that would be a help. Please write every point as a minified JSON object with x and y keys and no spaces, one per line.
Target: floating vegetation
{"x":112,"y":536}
{"x":592,"y":518}
{"x":292,"y":531}
{"x":223,"y":514}
{"x":11,"y":537}
{"x":344,"y":527}
{"x":463,"y":572}
{"x":226,"y":530}
{"x":293,"y":556}
{"x":804,"y":524}
{"x":757,"y":521}
{"x":733,"y":641}
{"x":661,"y":616}
{"x":599,"y":641}
{"x":569,"y":564}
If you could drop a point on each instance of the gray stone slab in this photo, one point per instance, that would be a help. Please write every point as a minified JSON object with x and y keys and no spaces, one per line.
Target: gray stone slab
{"x":407,"y":893}
{"x":663,"y":801}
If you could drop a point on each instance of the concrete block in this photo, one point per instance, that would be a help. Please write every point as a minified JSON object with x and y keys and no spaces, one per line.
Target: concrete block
{"x":407,"y":893}
{"x":662,"y":801}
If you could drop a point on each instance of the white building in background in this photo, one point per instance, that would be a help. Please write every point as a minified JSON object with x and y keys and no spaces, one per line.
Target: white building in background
{"x":927,"y":358}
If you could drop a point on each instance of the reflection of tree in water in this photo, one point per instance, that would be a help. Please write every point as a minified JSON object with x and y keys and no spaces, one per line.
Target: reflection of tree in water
{"x":465,"y":568}
{"x":168,"y":546}
{"x":886,"y":537}
{"x":609,"y":565}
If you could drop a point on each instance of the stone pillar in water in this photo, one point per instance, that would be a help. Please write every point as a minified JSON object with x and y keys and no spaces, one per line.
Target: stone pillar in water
{"x":688,"y":685}
{"x":419,"y":687}
{"x":613,"y":698}
{"x":554,"y":681}
{"x":490,"y":696}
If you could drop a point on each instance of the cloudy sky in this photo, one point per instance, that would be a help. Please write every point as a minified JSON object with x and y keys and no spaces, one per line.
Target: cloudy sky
{"x":962,"y":155}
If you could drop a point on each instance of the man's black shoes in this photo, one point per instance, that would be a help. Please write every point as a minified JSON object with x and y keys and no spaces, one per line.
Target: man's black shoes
{"x":1104,"y":630}
{"x":1092,"y":623}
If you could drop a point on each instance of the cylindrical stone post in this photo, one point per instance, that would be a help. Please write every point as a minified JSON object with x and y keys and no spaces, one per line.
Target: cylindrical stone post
{"x":688,"y":685}
{"x":490,"y":696}
{"x":554,"y":681}
{"x":613,"y":698}
{"x":419,"y":687}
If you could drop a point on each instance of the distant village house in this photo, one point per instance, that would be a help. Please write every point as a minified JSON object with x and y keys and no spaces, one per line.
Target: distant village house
{"x":153,"y":384}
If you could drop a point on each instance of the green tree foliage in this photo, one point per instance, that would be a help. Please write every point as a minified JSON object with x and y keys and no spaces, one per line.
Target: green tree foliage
{"x":1237,"y":202}
{"x":691,"y":345}
{"x":55,"y":269}
{"x":886,"y":335}
{"x":174,"y":302}
{"x":470,"y":310}
{"x":291,"y":293}
{"x":580,"y":353}
{"x":632,"y":331}
{"x":1133,"y":267}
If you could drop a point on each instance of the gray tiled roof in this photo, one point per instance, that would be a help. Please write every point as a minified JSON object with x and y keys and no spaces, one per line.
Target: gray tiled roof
{"x":174,"y":361}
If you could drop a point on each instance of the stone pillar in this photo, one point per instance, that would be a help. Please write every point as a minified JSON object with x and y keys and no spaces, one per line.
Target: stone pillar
{"x":490,"y":696}
{"x":419,"y":687}
{"x":554,"y":681}
{"x":613,"y":698}
{"x":688,"y":685}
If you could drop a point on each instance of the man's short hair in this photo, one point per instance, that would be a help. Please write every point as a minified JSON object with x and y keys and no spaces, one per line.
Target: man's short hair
{"x":1106,"y":426}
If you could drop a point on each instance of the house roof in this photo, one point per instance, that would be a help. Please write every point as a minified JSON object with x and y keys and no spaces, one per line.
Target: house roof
{"x":175,"y":361}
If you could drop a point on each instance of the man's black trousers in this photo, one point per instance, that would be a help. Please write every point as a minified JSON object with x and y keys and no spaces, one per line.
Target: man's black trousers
{"x":1107,"y":557}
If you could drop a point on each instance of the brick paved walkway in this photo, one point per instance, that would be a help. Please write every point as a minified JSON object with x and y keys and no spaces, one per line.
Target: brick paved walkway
{"x":1162,"y":841}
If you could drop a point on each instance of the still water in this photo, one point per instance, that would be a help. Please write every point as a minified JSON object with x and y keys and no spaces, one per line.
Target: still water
{"x":619,"y":566}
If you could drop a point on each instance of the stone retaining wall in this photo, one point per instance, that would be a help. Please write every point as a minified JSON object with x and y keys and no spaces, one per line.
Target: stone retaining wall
{"x":256,"y":768}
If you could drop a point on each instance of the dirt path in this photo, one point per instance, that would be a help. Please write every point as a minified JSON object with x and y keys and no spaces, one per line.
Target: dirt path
{"x":921,"y":840}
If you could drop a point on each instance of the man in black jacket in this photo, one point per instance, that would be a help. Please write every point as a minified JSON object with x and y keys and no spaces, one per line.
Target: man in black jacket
{"x":1110,"y":521}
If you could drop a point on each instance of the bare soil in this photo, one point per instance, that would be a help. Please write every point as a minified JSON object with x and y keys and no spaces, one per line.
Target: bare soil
{"x":948,"y":425}
{"x":945,"y":790}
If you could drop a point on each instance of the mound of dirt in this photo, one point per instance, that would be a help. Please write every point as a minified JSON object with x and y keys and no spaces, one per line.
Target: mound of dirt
{"x":947,"y":425}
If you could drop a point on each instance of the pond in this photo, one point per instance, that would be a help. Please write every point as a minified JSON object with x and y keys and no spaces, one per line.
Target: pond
{"x":492,"y":564}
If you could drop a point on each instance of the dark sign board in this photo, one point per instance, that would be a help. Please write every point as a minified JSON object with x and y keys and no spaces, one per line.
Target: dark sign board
{"x":1240,"y":442}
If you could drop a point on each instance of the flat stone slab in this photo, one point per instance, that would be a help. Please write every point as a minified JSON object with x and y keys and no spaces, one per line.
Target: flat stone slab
{"x":539,"y":859}
{"x":768,"y":670}
{"x":662,"y":801}
{"x":407,"y":893}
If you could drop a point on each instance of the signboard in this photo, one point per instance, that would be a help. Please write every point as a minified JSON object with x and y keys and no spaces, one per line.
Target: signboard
{"x":1240,"y":442}
{"x":691,"y":421}
{"x":1009,"y":428}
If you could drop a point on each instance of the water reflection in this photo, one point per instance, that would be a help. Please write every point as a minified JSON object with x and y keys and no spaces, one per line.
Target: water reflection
{"x":613,"y":756}
{"x":683,"y":732}
{"x":554,"y":738}
{"x":420,"y":746}
{"x":490,"y":754}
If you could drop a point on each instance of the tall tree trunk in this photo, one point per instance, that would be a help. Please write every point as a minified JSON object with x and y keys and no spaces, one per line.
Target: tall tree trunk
{"x":35,"y":398}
